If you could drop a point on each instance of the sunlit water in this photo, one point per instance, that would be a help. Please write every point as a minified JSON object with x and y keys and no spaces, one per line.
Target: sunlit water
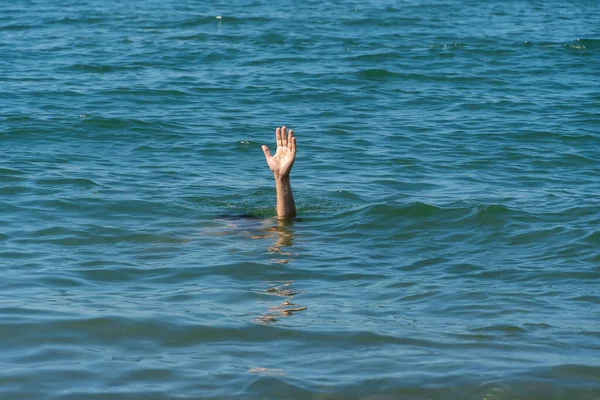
{"x":447,"y":245}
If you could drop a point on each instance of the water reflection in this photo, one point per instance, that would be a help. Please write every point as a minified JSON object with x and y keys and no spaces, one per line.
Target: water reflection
{"x":284,"y":237}
{"x":286,"y":308}
{"x":267,"y":371}
{"x":283,"y":233}
{"x":255,"y":228}
{"x":280,"y":236}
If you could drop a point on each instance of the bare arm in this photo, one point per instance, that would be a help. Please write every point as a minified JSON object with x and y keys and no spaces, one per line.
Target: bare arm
{"x":281,"y":166}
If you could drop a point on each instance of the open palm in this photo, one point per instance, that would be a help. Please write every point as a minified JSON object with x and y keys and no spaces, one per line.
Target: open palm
{"x":283,"y":160}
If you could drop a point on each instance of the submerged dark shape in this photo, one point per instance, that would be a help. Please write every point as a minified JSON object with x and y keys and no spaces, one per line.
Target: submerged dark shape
{"x":235,"y":217}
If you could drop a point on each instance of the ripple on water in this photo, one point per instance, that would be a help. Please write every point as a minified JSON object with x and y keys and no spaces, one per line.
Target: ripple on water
{"x":446,"y":245}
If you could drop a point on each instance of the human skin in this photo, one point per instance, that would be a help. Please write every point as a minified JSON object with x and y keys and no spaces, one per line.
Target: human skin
{"x":281,"y":165}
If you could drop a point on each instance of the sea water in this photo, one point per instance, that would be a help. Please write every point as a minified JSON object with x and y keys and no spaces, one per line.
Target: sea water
{"x":447,"y":180}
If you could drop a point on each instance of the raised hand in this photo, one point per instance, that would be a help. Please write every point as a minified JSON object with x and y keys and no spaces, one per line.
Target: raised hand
{"x":281,"y":164}
{"x":283,"y":160}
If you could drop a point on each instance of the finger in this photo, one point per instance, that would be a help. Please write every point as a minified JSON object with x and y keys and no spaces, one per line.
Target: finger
{"x":294,"y":144}
{"x":283,"y":136}
{"x":267,"y":152}
{"x":289,"y":138}
{"x":278,"y":136}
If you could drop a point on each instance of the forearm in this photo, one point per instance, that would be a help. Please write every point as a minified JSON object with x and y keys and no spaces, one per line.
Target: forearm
{"x":286,"y":208}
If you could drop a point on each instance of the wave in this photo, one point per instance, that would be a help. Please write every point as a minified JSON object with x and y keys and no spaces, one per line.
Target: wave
{"x":377,"y":74}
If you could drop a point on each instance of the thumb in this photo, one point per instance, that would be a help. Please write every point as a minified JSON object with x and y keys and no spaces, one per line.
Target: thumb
{"x":267,"y":152}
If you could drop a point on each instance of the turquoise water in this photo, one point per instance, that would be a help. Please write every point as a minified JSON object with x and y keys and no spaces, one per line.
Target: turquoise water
{"x":447,"y":245}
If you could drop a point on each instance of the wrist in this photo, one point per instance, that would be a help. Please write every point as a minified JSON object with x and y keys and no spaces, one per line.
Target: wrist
{"x":281,"y":177}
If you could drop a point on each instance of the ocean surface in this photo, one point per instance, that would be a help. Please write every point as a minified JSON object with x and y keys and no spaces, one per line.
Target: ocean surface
{"x":447,"y":244}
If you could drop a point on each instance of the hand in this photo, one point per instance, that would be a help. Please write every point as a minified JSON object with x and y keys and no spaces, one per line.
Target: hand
{"x":283,"y":160}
